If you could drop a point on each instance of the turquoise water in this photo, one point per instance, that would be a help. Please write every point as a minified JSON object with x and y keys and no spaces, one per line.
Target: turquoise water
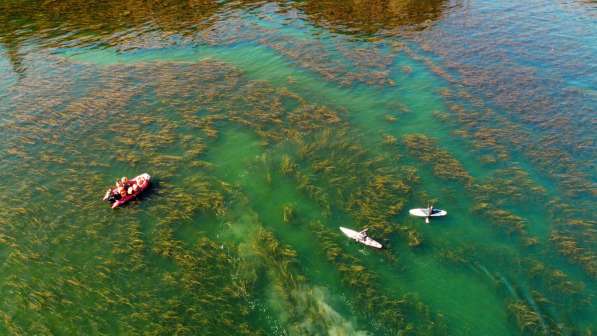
{"x":265,"y":127}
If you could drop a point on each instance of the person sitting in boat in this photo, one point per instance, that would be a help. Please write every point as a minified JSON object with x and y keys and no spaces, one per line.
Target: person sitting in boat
{"x":125,"y":182}
{"x":113,"y":196}
{"x":122,"y":191}
{"x":135,"y":187}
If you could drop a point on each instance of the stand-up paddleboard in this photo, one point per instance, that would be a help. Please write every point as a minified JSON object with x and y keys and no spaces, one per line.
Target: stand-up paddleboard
{"x":428,"y":212}
{"x":360,"y":237}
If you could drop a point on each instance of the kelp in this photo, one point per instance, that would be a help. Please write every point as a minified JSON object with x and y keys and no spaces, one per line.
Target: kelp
{"x":278,"y":115}
{"x":573,"y":234}
{"x":134,"y":270}
{"x":287,"y":166}
{"x":404,"y":314}
{"x":509,"y":186}
{"x":514,"y":184}
{"x":544,"y":290}
{"x":367,"y":187}
{"x":168,"y":147}
{"x":480,"y":127}
{"x":355,"y":17}
{"x":134,"y":278}
{"x":108,"y":24}
{"x":527,"y":319}
{"x":390,"y":139}
{"x":102,"y":286}
{"x":444,"y":165}
{"x":414,"y":238}
{"x":552,"y":162}
{"x":390,"y":118}
{"x":503,"y":219}
{"x":568,"y":246}
{"x":517,"y":92}
{"x":304,"y":310}
{"x":288,"y":213}
{"x":153,"y":302}
{"x":447,"y":167}
{"x":337,"y":63}
{"x":550,"y":156}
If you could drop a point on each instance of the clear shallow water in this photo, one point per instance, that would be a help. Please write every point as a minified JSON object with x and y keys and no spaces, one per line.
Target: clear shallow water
{"x":266,"y":126}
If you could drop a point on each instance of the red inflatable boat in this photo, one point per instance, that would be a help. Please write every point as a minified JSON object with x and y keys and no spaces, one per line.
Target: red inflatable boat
{"x":142,"y":181}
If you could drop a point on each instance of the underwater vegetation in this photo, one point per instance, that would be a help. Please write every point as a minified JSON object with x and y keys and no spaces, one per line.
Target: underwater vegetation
{"x":391,"y":314}
{"x":482,"y":128}
{"x":134,"y":279}
{"x":302,"y":309}
{"x":356,"y":181}
{"x":354,"y":17}
{"x":365,"y":66}
{"x":574,"y":236}
{"x":148,"y":276}
{"x":529,"y":303}
{"x":196,"y":284}
{"x":556,"y":145}
{"x":573,"y":184}
{"x":526,"y":318}
{"x":243,"y":240}
{"x":498,"y":192}
{"x":145,"y":283}
{"x":445,"y":166}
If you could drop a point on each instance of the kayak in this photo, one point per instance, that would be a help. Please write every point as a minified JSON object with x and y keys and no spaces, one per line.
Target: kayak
{"x":142,"y":181}
{"x":360,"y":237}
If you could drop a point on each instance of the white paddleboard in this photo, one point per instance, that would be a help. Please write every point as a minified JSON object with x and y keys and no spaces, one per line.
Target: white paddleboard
{"x":357,"y":236}
{"x":423,"y":212}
